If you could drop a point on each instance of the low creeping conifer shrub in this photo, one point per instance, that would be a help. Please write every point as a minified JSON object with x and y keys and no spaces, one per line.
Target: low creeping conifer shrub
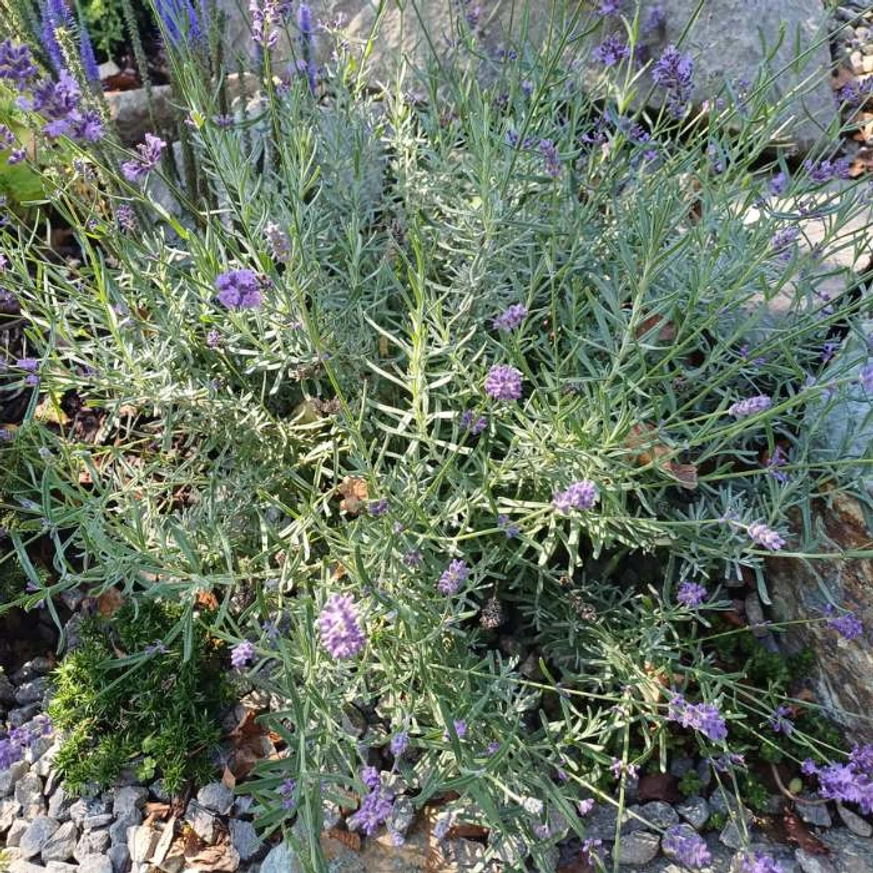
{"x":461,"y":398}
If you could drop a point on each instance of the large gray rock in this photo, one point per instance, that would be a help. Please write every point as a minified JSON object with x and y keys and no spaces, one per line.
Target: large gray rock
{"x":37,"y":835}
{"x":281,"y":860}
{"x":10,"y":777}
{"x":61,"y":844}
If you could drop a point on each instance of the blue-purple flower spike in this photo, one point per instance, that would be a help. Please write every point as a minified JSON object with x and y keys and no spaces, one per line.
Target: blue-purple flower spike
{"x":86,"y":53}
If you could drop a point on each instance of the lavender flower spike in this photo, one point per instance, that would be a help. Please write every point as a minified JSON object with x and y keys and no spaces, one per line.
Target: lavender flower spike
{"x":682,"y":844}
{"x":339,"y":628}
{"x":764,"y":536}
{"x":149,"y":155}
{"x":239,"y":289}
{"x":580,"y":495}
{"x":453,"y":577}
{"x":750,"y":406}
{"x":503,"y":383}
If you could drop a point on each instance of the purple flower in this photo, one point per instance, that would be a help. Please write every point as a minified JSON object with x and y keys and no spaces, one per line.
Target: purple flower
{"x":288,"y":793}
{"x":492,"y":749}
{"x":674,"y":72}
{"x":580,"y":495}
{"x":374,"y":810}
{"x":453,"y":577}
{"x":213,"y":338}
{"x":338,"y":627}
{"x":758,"y":862}
{"x":775,"y":462}
{"x":241,"y":654}
{"x":413,"y":558}
{"x":460,"y":727}
{"x":16,"y":64}
{"x":611,"y":51}
{"x":304,"y":22}
{"x":846,"y":625}
{"x":782,"y":242}
{"x":149,"y":155}
{"x":239,"y":289}
{"x":825,"y":171}
{"x":764,"y":536}
{"x":475,"y":427}
{"x":267,"y":17}
{"x":510,"y":318}
{"x":55,"y":14}
{"x":278,"y":242}
{"x":781,"y":720}
{"x":609,"y":7}
{"x":378,"y":508}
{"x":125,"y":217}
{"x":181,"y":21}
{"x":779,"y":183}
{"x":503,"y":383}
{"x":655,"y":20}
{"x":86,"y":54}
{"x":703,"y":717}
{"x":750,"y":406}
{"x":511,"y":529}
{"x":399,"y":743}
{"x":691,"y":594}
{"x":865,"y":377}
{"x":583,"y":807}
{"x":551,"y":160}
{"x":681,"y":843}
{"x":371,"y":777}
{"x":591,"y":851}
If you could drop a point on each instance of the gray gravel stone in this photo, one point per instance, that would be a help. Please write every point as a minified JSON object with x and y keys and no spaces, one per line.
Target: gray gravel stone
{"x":84,"y":808}
{"x":28,"y":792}
{"x":201,"y":820}
{"x":118,"y":828}
{"x":22,"y":866}
{"x":7,"y":691}
{"x":695,"y":810}
{"x":59,"y":804}
{"x":245,"y":839}
{"x":814,"y":814}
{"x":38,"y":833}
{"x":38,"y":666}
{"x":128,"y":799}
{"x":92,"y":843}
{"x":61,"y":844}
{"x":659,"y":814}
{"x":857,"y":825}
{"x":16,"y":832}
{"x":813,"y":863}
{"x":23,"y":714}
{"x":9,"y":809}
{"x":402,"y":815}
{"x":95,"y":864}
{"x":732,"y":835}
{"x":159,"y":791}
{"x":31,"y":692}
{"x":638,"y":848}
{"x":217,"y":797}
{"x":61,"y":867}
{"x":9,"y":777}
{"x":120,"y":857}
{"x":602,"y":821}
{"x":43,"y":767}
{"x":281,"y":860}
{"x":101,"y":820}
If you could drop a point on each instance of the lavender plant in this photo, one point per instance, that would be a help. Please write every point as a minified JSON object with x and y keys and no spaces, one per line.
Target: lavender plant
{"x":456,"y":404}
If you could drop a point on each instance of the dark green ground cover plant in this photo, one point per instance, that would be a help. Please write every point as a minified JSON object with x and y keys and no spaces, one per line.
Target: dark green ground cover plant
{"x":460,"y":398}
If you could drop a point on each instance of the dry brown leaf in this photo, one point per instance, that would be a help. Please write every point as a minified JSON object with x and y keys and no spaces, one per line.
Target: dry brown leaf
{"x":354,"y":492}
{"x":383,"y":346}
{"x":159,"y":810}
{"x":347,"y":838}
{"x":228,"y":779}
{"x":466,"y":831}
{"x":640,"y":437}
{"x":862,"y":163}
{"x":220,"y":858}
{"x":109,"y":602}
{"x":800,"y":834}
{"x":685,"y":474}
{"x":248,"y":745}
{"x":666,"y":332}
{"x":207,"y":600}
{"x":865,"y":130}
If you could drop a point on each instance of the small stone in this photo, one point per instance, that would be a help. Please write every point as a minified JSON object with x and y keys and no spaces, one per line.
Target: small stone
{"x":37,"y":749}
{"x":31,"y":692}
{"x":92,"y":822}
{"x":7,"y":691}
{"x":128,"y":799}
{"x":814,"y":814}
{"x":38,"y":666}
{"x":43,"y":766}
{"x":118,"y":828}
{"x":659,"y":815}
{"x":602,"y":821}
{"x":28,"y":792}
{"x":732,"y":836}
{"x":857,"y":825}
{"x":61,"y":867}
{"x":201,"y":820}
{"x":95,"y":864}
{"x":680,"y":765}
{"x":243,"y":805}
{"x":813,"y":863}
{"x":9,"y":809}
{"x":463,"y":854}
{"x":120,"y":857}
{"x":281,"y":860}
{"x":217,"y":797}
{"x":61,"y":844}
{"x":22,"y":866}
{"x":141,"y":842}
{"x":11,"y":775}
{"x":695,"y":810}
{"x":158,"y":790}
{"x":867,"y":64}
{"x":38,"y":833}
{"x":402,"y":815}
{"x":92,"y":843}
{"x":638,"y":848}
{"x":23,"y":714}
{"x":59,"y":805}
{"x":245,"y":839}
{"x":684,"y":831}
{"x":16,"y":832}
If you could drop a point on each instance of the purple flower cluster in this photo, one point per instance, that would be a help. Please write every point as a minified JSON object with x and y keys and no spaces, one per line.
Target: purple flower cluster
{"x":278,"y":242}
{"x":453,"y":577}
{"x":758,"y":862}
{"x":847,"y":625}
{"x":509,"y":527}
{"x":288,"y":793}
{"x":239,"y":289}
{"x":375,"y":806}
{"x":686,"y":846}
{"x":16,"y":64}
{"x":764,"y":536}
{"x":613,"y":50}
{"x":474,"y":426}
{"x":781,"y":720}
{"x":750,"y":406}
{"x":267,"y":17}
{"x":674,"y":72}
{"x":579,"y":495}
{"x":865,"y":377}
{"x":149,"y":154}
{"x":703,"y":717}
{"x":583,"y":807}
{"x":775,"y":462}
{"x":242,"y":654}
{"x":31,"y":367}
{"x":782,"y":242}
{"x":826,"y":171}
{"x":399,"y":743}
{"x":60,"y":105}
{"x":851,"y":782}
{"x":181,"y":21}
{"x":551,"y":158}
{"x":691,"y":594}
{"x":503,"y":383}
{"x":511,"y":318}
{"x":20,"y":739}
{"x":339,"y":628}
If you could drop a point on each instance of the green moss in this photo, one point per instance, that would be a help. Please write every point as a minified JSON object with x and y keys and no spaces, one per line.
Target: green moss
{"x":159,"y":712}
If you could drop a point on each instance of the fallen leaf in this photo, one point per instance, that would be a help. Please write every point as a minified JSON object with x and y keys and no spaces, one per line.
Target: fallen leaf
{"x":220,"y":858}
{"x":126,"y":80}
{"x":685,"y":474}
{"x":249,"y":745}
{"x":800,"y":834}
{"x":347,"y":838}
{"x":467,"y":831}
{"x":640,"y":437}
{"x":228,"y":779}
{"x":666,"y":332}
{"x":354,"y":492}
{"x":109,"y":602}
{"x":158,"y":810}
{"x":207,"y":600}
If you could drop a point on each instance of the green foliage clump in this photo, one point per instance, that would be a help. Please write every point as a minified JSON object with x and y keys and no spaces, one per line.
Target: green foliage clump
{"x":123,"y":704}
